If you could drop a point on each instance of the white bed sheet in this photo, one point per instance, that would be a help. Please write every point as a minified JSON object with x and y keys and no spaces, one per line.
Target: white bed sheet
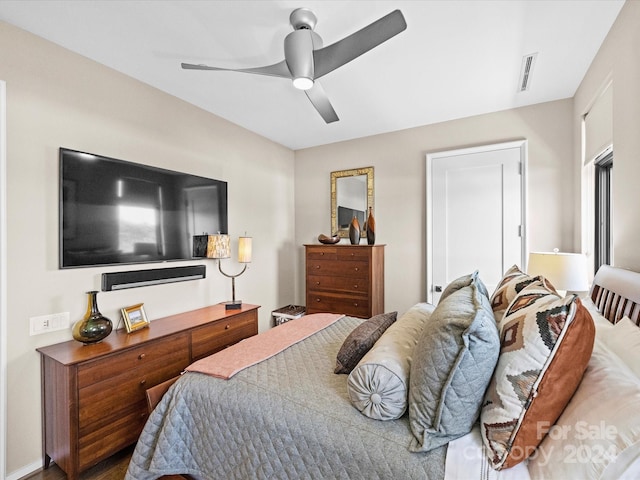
{"x":466,"y":460}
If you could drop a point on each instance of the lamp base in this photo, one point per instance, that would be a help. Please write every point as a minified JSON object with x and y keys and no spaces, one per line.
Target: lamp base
{"x":233,"y":305}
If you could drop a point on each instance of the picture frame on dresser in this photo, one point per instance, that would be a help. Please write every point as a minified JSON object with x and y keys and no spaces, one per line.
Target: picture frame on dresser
{"x":134,"y":317}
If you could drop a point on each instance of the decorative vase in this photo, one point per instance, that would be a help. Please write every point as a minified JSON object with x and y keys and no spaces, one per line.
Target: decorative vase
{"x":94,"y":326}
{"x":371,"y":228}
{"x":354,"y":231}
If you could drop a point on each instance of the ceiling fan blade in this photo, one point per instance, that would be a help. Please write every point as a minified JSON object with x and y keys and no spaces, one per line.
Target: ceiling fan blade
{"x":276,"y":70}
{"x":320,"y":101}
{"x":329,"y":58}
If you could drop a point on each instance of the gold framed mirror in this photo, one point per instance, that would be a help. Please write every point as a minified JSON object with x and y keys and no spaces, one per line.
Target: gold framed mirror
{"x":351,"y":195}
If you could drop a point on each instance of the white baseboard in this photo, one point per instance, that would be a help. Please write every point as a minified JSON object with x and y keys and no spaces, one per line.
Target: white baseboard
{"x":26,"y":470}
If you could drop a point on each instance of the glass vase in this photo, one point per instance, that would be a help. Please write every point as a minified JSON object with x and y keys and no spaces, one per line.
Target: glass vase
{"x":94,"y":326}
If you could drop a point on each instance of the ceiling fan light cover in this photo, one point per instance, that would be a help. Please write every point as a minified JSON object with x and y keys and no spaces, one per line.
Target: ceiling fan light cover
{"x":303,"y":83}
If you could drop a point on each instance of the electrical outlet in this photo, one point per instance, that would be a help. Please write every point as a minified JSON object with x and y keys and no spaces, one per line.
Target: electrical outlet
{"x":48,"y":323}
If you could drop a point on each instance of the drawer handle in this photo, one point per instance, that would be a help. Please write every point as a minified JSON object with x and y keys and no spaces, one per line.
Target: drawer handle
{"x":226,"y":327}
{"x":353,"y":254}
{"x":355,"y":304}
{"x":321,"y":253}
{"x":317,"y":283}
{"x":355,"y":286}
{"x":143,"y":382}
{"x":357,"y":269}
{"x":317,"y":267}
{"x":317,"y":300}
{"x":142,"y":356}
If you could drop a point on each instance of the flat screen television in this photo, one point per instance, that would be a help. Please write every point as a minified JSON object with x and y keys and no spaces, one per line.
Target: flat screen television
{"x":118,"y":212}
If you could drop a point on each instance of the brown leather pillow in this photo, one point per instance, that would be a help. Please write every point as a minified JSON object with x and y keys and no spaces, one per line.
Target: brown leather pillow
{"x":361,"y":339}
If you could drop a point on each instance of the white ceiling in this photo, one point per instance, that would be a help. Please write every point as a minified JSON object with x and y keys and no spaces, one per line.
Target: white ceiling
{"x":456,"y":58}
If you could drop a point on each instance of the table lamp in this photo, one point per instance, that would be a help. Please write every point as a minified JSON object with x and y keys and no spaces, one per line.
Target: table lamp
{"x":219,"y":247}
{"x":567,"y":272}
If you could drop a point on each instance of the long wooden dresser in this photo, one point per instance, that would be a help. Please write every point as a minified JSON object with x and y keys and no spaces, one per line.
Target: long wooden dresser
{"x":94,"y":395}
{"x":345,"y":279}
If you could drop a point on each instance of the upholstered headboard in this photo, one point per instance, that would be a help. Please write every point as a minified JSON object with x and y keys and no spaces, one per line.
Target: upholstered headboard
{"x":616,"y":293}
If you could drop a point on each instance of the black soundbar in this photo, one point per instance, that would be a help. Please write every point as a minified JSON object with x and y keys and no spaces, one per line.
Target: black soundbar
{"x":143,"y":278}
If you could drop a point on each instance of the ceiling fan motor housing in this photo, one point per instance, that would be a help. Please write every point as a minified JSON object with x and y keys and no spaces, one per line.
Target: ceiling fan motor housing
{"x":298,"y":53}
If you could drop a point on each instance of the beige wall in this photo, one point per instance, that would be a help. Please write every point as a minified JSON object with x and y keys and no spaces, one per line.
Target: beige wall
{"x":57,"y":98}
{"x":618,"y":61}
{"x":399,"y":165}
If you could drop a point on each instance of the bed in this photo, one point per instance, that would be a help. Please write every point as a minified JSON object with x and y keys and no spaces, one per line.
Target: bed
{"x":291,"y":416}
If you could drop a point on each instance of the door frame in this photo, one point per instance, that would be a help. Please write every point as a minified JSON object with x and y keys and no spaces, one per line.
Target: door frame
{"x":434,"y":156}
{"x":3,"y":279}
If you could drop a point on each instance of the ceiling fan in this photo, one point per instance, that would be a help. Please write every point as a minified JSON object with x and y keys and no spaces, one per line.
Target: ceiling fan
{"x":306,"y":60}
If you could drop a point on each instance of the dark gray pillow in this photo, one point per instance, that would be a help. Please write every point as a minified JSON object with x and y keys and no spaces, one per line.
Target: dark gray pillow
{"x":452,"y":366}
{"x":361,"y":339}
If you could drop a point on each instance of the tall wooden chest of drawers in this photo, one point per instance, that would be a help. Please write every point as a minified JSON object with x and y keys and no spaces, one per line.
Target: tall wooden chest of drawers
{"x":94,"y":395}
{"x":345,"y":279}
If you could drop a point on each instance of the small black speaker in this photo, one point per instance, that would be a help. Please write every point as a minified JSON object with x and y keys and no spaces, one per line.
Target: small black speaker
{"x":143,"y":278}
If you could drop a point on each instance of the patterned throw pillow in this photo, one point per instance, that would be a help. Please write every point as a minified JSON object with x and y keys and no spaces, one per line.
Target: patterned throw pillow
{"x":546,"y":343}
{"x":361,"y":339}
{"x":513,"y":281}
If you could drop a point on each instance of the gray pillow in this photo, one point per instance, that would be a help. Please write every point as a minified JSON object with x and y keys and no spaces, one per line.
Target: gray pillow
{"x":451,"y":369}
{"x":361,"y":339}
{"x":464,"y":281}
{"x":378,"y":386}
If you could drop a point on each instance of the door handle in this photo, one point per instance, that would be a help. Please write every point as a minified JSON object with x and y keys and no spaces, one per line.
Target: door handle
{"x":437,"y":288}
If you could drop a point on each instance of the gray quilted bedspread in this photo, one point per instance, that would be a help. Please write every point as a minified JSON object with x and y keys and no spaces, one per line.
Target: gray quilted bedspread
{"x":289,"y":417}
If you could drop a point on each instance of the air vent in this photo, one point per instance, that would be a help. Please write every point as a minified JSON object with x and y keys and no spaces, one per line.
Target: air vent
{"x":528,"y":61}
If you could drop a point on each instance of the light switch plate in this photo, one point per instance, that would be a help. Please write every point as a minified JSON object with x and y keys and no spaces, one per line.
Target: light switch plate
{"x":48,"y":323}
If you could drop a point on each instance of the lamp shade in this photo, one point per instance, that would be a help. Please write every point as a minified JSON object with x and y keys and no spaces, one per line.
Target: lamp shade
{"x":566,"y":271}
{"x":218,"y":246}
{"x":244,"y":250}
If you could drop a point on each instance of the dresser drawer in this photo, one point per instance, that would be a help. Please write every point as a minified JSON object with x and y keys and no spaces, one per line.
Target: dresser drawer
{"x":345,"y":284}
{"x":326,"y":302}
{"x":102,"y":402}
{"x":122,"y":431}
{"x":354,"y":253}
{"x":322,"y":253}
{"x":354,"y":269}
{"x":212,"y":338}
{"x":113,"y":365}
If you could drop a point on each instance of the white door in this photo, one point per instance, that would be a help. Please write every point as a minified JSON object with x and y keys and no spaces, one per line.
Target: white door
{"x":475,"y":214}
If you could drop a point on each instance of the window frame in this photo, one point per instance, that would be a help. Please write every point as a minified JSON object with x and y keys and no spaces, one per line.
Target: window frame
{"x":603,"y":249}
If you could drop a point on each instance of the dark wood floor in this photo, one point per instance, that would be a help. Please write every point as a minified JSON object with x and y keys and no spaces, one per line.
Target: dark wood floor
{"x":113,"y":468}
